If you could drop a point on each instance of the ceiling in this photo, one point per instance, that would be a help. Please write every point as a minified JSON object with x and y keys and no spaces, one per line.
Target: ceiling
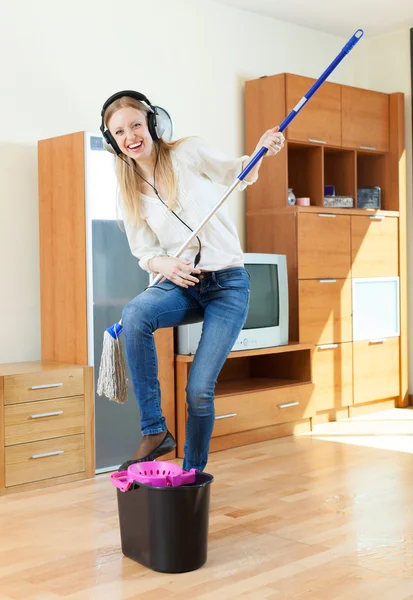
{"x":376,"y":17}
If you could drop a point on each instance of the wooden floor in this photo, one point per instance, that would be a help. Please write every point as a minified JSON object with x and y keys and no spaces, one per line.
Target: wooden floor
{"x":327,"y":516}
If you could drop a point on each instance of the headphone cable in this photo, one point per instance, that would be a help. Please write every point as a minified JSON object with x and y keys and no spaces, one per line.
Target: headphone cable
{"x":198,"y":256}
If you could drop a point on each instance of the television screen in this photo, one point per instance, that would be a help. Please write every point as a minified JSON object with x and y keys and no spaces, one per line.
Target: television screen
{"x":264,"y":309}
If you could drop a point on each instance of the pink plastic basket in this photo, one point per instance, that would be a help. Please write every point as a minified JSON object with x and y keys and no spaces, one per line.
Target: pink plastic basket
{"x":155,"y":473}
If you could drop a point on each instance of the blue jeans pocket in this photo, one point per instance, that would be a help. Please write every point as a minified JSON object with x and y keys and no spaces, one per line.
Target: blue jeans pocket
{"x":233,"y":281}
{"x":166,"y":285}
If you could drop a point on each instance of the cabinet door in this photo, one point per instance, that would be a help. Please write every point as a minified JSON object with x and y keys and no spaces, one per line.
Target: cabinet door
{"x":374,"y":246}
{"x":376,"y":370}
{"x":332,"y":376}
{"x":324,"y":311}
{"x":320,"y":121}
{"x":365,"y":119}
{"x":323,"y":246}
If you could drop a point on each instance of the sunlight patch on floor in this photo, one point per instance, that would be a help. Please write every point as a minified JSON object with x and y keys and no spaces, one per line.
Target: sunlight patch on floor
{"x":388,"y":430}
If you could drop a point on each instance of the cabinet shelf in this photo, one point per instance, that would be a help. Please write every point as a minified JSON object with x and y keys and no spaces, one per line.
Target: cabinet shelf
{"x":259,"y":384}
{"x":340,"y":171}
{"x":365,"y":212}
{"x":305,"y":172}
{"x":290,"y":347}
{"x":372,"y":171}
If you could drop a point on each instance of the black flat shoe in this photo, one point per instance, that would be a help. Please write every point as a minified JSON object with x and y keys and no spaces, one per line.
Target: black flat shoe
{"x":167,"y":445}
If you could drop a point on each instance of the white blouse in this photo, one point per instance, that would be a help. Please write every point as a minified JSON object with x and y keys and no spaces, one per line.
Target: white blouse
{"x":197,"y":168}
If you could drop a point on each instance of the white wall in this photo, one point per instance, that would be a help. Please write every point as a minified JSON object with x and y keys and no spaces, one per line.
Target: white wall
{"x":386,"y":68}
{"x":60,"y":61}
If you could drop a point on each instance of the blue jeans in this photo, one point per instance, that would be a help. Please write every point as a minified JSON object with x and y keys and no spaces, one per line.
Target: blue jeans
{"x":221,"y":300}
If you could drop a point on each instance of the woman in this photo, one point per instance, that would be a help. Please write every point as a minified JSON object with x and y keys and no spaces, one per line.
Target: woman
{"x":166,"y":189}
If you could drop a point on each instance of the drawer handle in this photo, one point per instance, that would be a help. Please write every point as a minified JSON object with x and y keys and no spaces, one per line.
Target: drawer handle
{"x":44,"y":386}
{"x":367,"y":148}
{"x":327,"y":280}
{"x":49,"y":414}
{"x":288,"y":404}
{"x":327,"y":346}
{"x":377,"y":217}
{"x":317,"y":141}
{"x":48,"y":454}
{"x":327,"y":215}
{"x":381,"y":341}
{"x":228,"y":416}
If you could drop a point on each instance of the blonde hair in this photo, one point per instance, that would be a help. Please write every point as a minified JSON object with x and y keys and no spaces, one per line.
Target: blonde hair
{"x":130,"y":184}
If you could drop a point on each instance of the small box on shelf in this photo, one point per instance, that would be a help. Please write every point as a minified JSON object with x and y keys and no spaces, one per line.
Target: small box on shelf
{"x":369,"y":197}
{"x":338,"y":201}
{"x":373,"y":173}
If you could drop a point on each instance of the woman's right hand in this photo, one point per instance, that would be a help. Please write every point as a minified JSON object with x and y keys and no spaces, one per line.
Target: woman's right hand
{"x":176,"y":270}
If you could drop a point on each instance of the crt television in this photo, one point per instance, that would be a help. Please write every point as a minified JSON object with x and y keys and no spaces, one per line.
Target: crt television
{"x":267,"y":320}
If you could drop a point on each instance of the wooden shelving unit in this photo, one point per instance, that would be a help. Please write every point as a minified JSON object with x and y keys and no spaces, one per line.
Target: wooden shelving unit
{"x":350,"y":138}
{"x":259,"y":394}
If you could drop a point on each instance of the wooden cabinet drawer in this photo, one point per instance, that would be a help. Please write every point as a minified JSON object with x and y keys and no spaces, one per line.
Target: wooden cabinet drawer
{"x":242,"y":412}
{"x":44,"y":460}
{"x":323,"y":246}
{"x":320,"y":121}
{"x":376,"y":370}
{"x":56,"y":383}
{"x":365,"y":119}
{"x":35,"y":421}
{"x":374,"y":246}
{"x":332,"y":376}
{"x":324,"y":311}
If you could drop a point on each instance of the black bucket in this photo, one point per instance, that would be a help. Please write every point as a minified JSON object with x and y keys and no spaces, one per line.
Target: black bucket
{"x":166,"y":528}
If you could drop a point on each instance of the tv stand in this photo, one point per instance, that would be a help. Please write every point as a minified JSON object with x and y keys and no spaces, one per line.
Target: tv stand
{"x":260,"y":395}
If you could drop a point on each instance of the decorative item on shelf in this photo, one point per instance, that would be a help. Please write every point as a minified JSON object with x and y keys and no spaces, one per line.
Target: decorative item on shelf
{"x":291,"y":197}
{"x":369,"y":197}
{"x":329,"y":190}
{"x":303,"y":201}
{"x":339,"y":201}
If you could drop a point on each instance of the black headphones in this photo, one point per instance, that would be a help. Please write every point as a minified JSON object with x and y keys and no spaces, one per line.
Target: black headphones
{"x":156,"y":129}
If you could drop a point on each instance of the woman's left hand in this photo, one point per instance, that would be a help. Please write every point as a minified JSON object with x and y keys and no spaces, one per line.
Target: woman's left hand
{"x":272,"y":139}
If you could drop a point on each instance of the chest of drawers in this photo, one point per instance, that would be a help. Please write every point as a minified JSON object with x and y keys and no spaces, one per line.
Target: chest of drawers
{"x":47,"y":425}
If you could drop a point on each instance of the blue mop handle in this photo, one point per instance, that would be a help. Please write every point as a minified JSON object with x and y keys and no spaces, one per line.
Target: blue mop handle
{"x":347,"y":48}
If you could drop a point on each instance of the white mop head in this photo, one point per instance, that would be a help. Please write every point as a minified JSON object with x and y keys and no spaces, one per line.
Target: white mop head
{"x":112,"y":381}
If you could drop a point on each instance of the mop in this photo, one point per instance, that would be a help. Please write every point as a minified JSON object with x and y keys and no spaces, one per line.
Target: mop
{"x":112,"y":381}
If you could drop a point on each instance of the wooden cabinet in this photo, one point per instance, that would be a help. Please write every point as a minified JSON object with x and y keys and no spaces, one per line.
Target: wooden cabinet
{"x":259,"y":393}
{"x":376,"y":370}
{"x":323,"y":245}
{"x":332,"y":376}
{"x":365,"y":119}
{"x":325,"y":311}
{"x":374,"y":246}
{"x":47,"y":434}
{"x":328,"y":248}
{"x":320,"y":121}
